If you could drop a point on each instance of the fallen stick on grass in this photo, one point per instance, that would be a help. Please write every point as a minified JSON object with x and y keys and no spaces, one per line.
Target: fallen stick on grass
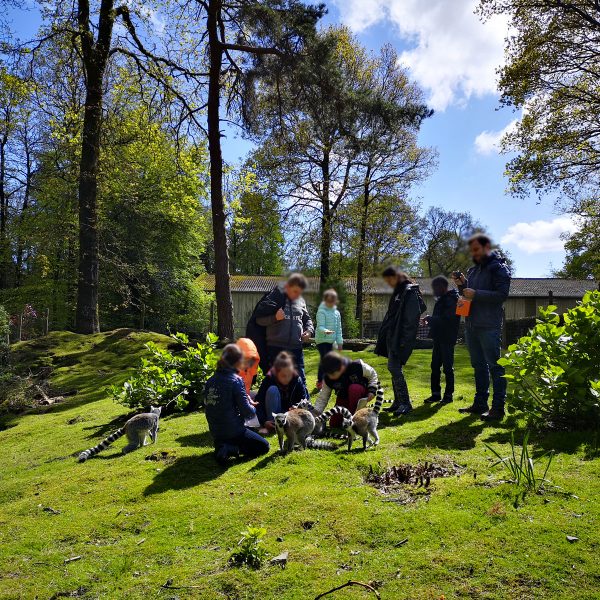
{"x":347,"y":584}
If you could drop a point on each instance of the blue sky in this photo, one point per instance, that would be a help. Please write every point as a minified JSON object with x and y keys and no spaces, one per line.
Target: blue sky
{"x":453,"y":56}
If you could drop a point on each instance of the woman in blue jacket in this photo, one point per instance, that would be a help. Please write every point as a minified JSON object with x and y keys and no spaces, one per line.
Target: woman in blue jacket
{"x":228,"y":407}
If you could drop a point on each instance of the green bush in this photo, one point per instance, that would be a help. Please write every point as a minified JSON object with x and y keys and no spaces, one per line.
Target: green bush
{"x":170,"y":379}
{"x":554,"y":371}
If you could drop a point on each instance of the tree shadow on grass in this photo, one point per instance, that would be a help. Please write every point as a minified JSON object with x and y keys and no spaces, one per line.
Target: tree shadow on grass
{"x":458,"y":435}
{"x":184,"y":473}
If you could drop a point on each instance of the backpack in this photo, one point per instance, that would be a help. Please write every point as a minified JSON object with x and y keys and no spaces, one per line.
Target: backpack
{"x":258,"y":334}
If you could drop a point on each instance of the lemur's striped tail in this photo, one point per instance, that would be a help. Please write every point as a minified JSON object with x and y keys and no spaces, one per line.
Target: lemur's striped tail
{"x":378,"y":400}
{"x":102,"y":445}
{"x":314,"y":444}
{"x":336,"y":410}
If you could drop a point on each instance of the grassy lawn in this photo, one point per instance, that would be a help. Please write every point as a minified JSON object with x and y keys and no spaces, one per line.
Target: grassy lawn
{"x":136,"y":523}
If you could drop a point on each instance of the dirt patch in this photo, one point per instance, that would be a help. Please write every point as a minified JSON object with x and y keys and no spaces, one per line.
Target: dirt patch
{"x":164,"y":456}
{"x":406,"y":483}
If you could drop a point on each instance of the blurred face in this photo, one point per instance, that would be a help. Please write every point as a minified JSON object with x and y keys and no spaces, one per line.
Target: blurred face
{"x":439,"y":290}
{"x":293,"y":292}
{"x":391,"y":280}
{"x":335,"y":376}
{"x":284,"y":375}
{"x":477,"y":251}
{"x":249,"y":363}
{"x":330,"y":301}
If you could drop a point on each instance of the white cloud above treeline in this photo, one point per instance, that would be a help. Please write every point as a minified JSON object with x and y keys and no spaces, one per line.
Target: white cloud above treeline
{"x":488,"y":142}
{"x":539,"y":236}
{"x":452,"y":54}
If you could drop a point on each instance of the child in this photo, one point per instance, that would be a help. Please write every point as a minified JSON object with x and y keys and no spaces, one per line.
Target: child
{"x":250,"y":364}
{"x":443,"y":327}
{"x":227,"y":406}
{"x":281,"y":389}
{"x":329,"y":329}
{"x":351,"y":380}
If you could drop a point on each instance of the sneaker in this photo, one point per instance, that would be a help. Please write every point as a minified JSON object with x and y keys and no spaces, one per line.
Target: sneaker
{"x":432,"y":399}
{"x":267,"y":429}
{"x":493,"y":415}
{"x":222,"y":455}
{"x":392,"y":408}
{"x":404,"y":409}
{"x":446,"y":400}
{"x":473,"y":410}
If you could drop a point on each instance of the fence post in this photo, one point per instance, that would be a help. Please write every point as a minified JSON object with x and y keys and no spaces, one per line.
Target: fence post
{"x":211,"y":327}
{"x":47,"y":327}
{"x":20,"y":326}
{"x":550,"y":297}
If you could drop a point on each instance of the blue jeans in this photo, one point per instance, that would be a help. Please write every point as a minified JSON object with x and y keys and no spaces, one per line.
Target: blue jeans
{"x":484,"y":350}
{"x":248,"y":444}
{"x":324,"y":348}
{"x":272,"y":402}
{"x":297,"y":354}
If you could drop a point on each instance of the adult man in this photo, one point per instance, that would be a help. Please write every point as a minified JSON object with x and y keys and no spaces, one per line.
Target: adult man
{"x":398,"y":333}
{"x":443,"y":329}
{"x":486,"y":285}
{"x":288,"y":324}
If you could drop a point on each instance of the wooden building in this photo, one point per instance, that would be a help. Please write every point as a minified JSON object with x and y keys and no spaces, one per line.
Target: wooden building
{"x":526,"y":295}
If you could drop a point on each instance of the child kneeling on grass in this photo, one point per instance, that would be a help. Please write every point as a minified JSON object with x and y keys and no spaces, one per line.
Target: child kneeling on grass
{"x":328,"y":336}
{"x":351,"y":380}
{"x":227,"y":408}
{"x":281,"y":389}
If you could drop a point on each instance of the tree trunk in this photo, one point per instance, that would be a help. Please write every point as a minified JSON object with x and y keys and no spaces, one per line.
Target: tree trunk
{"x":222,"y":287}
{"x":4,"y":250}
{"x":325,"y":221}
{"x":26,"y":196}
{"x":86,"y":316}
{"x":360,"y":268}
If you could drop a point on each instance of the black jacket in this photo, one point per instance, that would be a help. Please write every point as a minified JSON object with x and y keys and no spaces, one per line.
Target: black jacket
{"x":444,"y":323}
{"x":491,"y":281}
{"x":286,"y":333}
{"x":291,"y":394}
{"x":226,"y":405}
{"x":398,"y":331}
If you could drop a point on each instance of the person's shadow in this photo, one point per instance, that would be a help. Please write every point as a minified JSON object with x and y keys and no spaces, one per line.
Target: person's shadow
{"x":457,"y":435}
{"x":185,"y":472}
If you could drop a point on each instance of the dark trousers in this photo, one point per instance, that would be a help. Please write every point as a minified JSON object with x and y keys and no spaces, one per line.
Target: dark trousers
{"x":248,"y":444}
{"x":442,"y":357}
{"x":396,"y":369}
{"x":297,"y":354}
{"x":484,"y":349}
{"x":324,"y":348}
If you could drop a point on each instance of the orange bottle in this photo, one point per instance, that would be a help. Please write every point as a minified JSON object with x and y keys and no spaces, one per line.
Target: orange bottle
{"x":463,"y":307}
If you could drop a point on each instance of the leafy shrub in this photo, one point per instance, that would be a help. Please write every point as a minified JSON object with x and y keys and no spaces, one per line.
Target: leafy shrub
{"x":165,"y":378}
{"x":251,"y":550}
{"x":554,"y":371}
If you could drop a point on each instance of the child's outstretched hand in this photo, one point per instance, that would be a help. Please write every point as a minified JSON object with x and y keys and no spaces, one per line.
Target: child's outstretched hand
{"x":328,"y":331}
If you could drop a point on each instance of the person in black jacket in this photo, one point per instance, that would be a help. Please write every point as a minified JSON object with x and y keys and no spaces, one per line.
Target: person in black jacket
{"x":281,"y":389}
{"x":443,"y":329}
{"x":398,"y":334}
{"x":227,"y":406}
{"x":486,"y":285}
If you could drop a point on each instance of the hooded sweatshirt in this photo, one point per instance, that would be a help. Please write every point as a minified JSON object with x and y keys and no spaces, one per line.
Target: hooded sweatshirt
{"x":329,"y":319}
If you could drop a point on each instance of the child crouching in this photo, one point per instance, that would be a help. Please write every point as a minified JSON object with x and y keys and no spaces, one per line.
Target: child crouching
{"x":351,"y":380}
{"x":227,"y":407}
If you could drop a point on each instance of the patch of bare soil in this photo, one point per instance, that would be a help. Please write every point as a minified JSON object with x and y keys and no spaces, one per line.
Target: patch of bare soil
{"x":406,"y":483}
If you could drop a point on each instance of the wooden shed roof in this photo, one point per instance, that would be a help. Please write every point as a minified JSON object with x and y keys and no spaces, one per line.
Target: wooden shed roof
{"x":520,"y":286}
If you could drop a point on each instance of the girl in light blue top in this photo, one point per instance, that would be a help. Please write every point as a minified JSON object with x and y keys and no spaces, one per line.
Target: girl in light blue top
{"x":329,"y":328}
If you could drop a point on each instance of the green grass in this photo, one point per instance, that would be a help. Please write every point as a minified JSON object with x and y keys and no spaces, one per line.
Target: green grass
{"x":137,"y":523}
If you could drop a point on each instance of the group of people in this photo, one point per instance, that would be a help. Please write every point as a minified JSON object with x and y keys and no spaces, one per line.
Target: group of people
{"x":240,"y":419}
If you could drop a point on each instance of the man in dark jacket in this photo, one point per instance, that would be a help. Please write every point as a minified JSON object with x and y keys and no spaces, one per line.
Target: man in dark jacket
{"x":486,"y":285}
{"x":443,"y":329}
{"x":283,"y":312}
{"x":398,"y":334}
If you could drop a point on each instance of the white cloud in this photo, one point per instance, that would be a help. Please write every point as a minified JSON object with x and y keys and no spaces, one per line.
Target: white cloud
{"x":539,"y":236}
{"x":453,"y":54}
{"x":488,"y":142}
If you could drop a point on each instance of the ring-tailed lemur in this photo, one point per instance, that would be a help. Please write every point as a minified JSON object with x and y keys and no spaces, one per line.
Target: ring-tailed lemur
{"x":320,"y":429}
{"x":136,"y":430}
{"x":362,"y":423}
{"x":296,"y":424}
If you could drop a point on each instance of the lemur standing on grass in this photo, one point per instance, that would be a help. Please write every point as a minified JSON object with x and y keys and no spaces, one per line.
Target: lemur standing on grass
{"x":136,"y":430}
